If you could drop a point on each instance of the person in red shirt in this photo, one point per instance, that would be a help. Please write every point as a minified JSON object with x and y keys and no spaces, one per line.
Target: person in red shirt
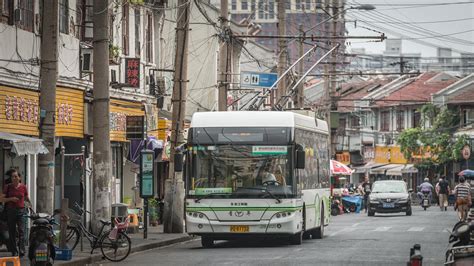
{"x":16,"y":194}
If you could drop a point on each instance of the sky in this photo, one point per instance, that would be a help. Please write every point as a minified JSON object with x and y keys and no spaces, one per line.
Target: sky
{"x":409,"y":17}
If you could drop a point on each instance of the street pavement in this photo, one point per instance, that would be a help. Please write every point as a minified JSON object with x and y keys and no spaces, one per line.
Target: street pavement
{"x":351,"y":239}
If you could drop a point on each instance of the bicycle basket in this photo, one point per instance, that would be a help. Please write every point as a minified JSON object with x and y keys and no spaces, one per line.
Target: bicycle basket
{"x":73,"y":217}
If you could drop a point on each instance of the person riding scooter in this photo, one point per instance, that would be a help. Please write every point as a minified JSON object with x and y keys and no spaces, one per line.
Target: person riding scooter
{"x":425,"y":187}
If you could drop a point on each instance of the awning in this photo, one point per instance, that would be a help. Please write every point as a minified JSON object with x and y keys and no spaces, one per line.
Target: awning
{"x":24,"y":145}
{"x":364,"y":168}
{"x":395,"y":169}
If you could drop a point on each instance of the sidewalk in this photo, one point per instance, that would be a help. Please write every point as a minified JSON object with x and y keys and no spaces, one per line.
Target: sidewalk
{"x":156,"y":238}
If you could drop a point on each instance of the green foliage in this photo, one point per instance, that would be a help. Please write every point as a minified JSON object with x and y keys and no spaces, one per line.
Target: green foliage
{"x":436,"y":138}
{"x":114,"y":51}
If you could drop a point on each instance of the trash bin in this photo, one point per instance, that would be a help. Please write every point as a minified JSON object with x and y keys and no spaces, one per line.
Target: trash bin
{"x":120,"y":211}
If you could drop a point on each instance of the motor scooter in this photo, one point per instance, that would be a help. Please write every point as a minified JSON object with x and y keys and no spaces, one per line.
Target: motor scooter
{"x":41,"y":249}
{"x":425,"y":200}
{"x":461,"y":245}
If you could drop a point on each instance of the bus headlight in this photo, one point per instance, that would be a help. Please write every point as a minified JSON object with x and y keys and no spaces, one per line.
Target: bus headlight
{"x":197,"y":215}
{"x":279,"y":215}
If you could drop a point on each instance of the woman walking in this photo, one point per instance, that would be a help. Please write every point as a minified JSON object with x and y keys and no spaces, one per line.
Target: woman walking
{"x":463,"y":198}
{"x":16,"y":194}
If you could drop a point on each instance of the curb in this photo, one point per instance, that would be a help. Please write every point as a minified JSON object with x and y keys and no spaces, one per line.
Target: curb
{"x":98,"y":257}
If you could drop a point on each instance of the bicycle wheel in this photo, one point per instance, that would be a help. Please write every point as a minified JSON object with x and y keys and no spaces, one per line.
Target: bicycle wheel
{"x":115,"y":249}
{"x":72,"y":237}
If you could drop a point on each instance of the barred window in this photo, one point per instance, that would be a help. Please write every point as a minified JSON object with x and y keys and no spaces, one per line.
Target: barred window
{"x":27,"y":8}
{"x":64,"y":16}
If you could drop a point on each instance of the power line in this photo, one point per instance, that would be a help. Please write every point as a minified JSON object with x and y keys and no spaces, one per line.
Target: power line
{"x":416,"y":22}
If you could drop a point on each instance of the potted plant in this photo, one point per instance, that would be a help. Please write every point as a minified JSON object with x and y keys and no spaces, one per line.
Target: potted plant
{"x":114,"y":53}
{"x":153,"y":207}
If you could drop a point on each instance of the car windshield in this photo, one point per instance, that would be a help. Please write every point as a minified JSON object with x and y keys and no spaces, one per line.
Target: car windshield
{"x":247,"y":171}
{"x":389,"y":187}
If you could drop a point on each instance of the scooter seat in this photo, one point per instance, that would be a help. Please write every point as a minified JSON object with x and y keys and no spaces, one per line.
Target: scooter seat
{"x":105,"y":222}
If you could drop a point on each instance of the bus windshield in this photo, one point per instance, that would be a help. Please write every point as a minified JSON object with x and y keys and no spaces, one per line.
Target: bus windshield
{"x":240,"y":171}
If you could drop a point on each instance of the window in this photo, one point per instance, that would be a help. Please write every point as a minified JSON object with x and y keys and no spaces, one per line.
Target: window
{"x":27,"y":8}
{"x":244,"y":5}
{"x":355,"y":121}
{"x":137,"y":32}
{"x":288,"y":4}
{"x":64,"y":16}
{"x":260,"y":9}
{"x":252,"y":5}
{"x":234,"y":4}
{"x":125,"y":28}
{"x":416,"y":118}
{"x":400,"y":120}
{"x":298,"y":4}
{"x":319,"y":4}
{"x":6,"y":8}
{"x":307,"y":5}
{"x":271,"y":9}
{"x":149,"y":38}
{"x":385,"y":121}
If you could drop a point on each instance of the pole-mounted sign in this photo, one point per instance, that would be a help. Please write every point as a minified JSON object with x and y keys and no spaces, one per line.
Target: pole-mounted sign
{"x":147,"y":186}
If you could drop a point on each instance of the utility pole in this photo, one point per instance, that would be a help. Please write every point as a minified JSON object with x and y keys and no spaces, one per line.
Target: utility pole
{"x":102,"y":168}
{"x":224,"y":57}
{"x":48,"y":79}
{"x":174,"y":185}
{"x":282,"y":52}
{"x":300,"y":92}
{"x":332,"y":88}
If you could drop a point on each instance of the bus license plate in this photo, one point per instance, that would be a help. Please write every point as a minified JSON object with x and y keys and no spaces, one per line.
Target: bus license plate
{"x":239,"y":228}
{"x":389,"y":205}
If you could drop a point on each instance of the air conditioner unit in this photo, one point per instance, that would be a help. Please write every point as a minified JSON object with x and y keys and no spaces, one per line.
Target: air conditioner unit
{"x":86,"y":60}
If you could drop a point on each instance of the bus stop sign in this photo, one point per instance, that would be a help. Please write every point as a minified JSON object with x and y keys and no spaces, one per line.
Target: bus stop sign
{"x":147,"y":186}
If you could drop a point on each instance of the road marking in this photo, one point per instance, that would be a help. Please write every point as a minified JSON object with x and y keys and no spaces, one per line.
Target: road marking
{"x":356,"y":224}
{"x":382,"y":229}
{"x":415,"y":229}
{"x":344,"y":230}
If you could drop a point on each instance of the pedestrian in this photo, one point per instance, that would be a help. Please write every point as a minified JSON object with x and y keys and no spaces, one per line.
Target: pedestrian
{"x":463,"y":198}
{"x":366,"y":189}
{"x":16,"y":194}
{"x":442,"y":189}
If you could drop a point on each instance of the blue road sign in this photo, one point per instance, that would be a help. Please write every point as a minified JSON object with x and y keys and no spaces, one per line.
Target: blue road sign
{"x":257,"y":79}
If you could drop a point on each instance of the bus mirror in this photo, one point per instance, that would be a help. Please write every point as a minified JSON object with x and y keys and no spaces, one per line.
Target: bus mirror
{"x":178,"y":162}
{"x":300,"y":159}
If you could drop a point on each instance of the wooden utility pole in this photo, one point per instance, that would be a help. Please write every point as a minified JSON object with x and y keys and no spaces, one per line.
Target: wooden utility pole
{"x":102,"y":168}
{"x":225,"y":64}
{"x":48,"y":79}
{"x":174,"y":186}
{"x":299,"y":99}
{"x":282,"y":52}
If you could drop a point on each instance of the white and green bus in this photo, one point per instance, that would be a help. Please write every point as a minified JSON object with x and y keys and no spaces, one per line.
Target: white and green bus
{"x":257,"y":174}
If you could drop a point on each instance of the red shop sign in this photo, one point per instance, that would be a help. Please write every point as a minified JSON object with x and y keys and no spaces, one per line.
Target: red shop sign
{"x":132,"y":72}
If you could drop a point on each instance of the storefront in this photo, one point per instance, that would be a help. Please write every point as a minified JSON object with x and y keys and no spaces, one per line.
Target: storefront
{"x":19,"y":145}
{"x":69,"y":131}
{"x":395,"y":166}
{"x":124,"y":173}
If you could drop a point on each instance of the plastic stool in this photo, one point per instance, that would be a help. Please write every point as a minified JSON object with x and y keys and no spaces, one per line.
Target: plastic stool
{"x":14,"y":260}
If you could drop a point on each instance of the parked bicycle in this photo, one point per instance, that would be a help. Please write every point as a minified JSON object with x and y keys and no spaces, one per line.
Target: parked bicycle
{"x":114,"y":244}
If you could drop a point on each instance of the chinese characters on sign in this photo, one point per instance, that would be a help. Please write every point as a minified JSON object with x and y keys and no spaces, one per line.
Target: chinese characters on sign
{"x":132,"y":72}
{"x":118,"y":121}
{"x":64,"y":114}
{"x":21,"y":109}
{"x":344,"y":158}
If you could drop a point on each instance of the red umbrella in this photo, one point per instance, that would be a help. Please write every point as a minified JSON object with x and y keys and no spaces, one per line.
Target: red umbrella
{"x":338,"y":168}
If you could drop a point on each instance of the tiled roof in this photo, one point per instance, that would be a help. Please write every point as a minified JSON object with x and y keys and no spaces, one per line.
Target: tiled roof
{"x":354,"y":91}
{"x":418,"y":90}
{"x":466,"y":95}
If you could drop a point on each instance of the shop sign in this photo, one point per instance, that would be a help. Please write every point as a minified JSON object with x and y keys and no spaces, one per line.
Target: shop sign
{"x":21,"y":109}
{"x":368,"y":153}
{"x":118,"y":121}
{"x":65,"y":114}
{"x":344,"y":157}
{"x":132,"y":72}
{"x":389,"y":154}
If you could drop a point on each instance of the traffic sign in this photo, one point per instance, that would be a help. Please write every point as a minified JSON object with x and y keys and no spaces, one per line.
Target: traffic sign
{"x":257,"y":79}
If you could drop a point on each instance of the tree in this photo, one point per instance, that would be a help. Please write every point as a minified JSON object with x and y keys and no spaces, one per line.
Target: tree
{"x":435,"y":138}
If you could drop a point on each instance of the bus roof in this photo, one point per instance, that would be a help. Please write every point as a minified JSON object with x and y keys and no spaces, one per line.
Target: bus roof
{"x":258,"y":119}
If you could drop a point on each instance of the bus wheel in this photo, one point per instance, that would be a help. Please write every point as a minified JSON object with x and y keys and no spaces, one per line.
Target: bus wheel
{"x":306,"y":234}
{"x":319,"y":232}
{"x":297,"y":239}
{"x":207,"y":242}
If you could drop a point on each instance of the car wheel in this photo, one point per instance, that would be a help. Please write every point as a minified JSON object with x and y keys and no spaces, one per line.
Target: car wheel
{"x":370,"y":213}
